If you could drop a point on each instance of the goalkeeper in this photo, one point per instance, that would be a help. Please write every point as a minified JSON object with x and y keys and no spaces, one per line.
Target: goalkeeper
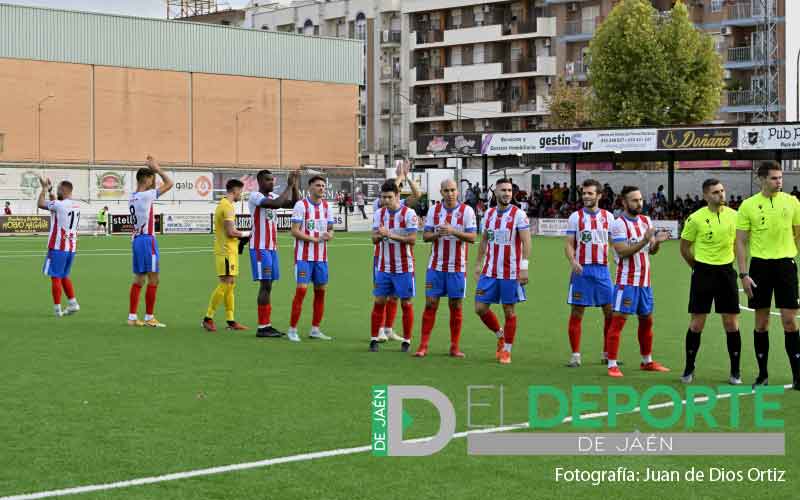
{"x":226,"y":256}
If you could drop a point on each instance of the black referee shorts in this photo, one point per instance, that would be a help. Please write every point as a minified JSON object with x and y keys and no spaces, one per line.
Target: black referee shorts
{"x":774,"y":275}
{"x":715,"y":283}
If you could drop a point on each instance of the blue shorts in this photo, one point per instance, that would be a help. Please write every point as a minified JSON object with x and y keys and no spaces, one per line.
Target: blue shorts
{"x":265,"y":265}
{"x":399,"y":285}
{"x":499,"y":291}
{"x":145,"y":254}
{"x":592,"y":287}
{"x":445,"y":284}
{"x":58,"y":263}
{"x":629,"y":299}
{"x":309,"y":271}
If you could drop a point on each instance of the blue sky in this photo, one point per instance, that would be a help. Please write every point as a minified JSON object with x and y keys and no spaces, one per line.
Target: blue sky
{"x":143,"y":8}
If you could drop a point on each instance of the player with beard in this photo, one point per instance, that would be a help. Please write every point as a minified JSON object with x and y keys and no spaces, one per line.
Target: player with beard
{"x":502,"y":267}
{"x":634,"y":239}
{"x":586,"y":248}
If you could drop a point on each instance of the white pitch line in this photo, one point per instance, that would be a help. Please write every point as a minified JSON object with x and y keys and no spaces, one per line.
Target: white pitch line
{"x":312,"y":456}
{"x":742,"y":306}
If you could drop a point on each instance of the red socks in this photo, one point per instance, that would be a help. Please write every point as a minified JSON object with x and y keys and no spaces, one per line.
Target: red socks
{"x":391,"y":313}
{"x":428,"y":320}
{"x":606,"y":326}
{"x":490,"y":320}
{"x":150,"y":299}
{"x":408,"y":321}
{"x":319,"y":307}
{"x":55,"y":288}
{"x":456,"y":320}
{"x":614,"y":333}
{"x":510,"y":330}
{"x":264,"y":313}
{"x":134,"y":298}
{"x":297,"y":306}
{"x":574,"y":331}
{"x":378,"y":311}
{"x":646,"y":336}
{"x":68,"y":289}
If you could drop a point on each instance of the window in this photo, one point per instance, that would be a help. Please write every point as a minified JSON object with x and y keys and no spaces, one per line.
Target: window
{"x":456,"y":18}
{"x":478,"y":88}
{"x":478,"y":11}
{"x":455,"y":56}
{"x":516,"y":53}
{"x":478,"y":54}
{"x":716,"y":5}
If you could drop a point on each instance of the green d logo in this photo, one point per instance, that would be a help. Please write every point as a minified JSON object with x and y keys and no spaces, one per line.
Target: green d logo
{"x":389,"y":420}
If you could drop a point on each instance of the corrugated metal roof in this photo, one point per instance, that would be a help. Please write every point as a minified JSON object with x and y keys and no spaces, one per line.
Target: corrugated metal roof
{"x":134,"y":42}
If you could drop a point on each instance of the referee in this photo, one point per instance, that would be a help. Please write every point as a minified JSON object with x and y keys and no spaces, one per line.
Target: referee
{"x":707,"y":243}
{"x":768,"y":225}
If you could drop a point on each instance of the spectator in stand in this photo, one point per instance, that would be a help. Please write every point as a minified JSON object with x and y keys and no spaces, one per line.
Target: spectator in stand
{"x":660,"y":194}
{"x":360,"y":202}
{"x":558,"y":195}
{"x":7,"y":210}
{"x":340,"y":201}
{"x":348,"y":201}
{"x":795,"y":192}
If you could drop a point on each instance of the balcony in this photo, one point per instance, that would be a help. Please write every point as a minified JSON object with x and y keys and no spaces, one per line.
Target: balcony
{"x":580,"y":30}
{"x":745,"y":57}
{"x":521,"y":65}
{"x":391,"y":37}
{"x":429,"y":110}
{"x":386,"y":108}
{"x":748,"y":13}
{"x":429,"y":73}
{"x":744,"y":101}
{"x":576,"y":71}
{"x":535,"y":106}
{"x":387,"y":74}
{"x":430,"y":36}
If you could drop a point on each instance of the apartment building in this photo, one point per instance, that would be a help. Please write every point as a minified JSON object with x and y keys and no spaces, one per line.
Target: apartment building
{"x":750,"y":36}
{"x":478,"y":66}
{"x":378,"y":23}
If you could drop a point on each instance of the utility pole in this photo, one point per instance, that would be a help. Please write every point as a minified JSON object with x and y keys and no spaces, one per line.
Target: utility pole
{"x":391,"y":118}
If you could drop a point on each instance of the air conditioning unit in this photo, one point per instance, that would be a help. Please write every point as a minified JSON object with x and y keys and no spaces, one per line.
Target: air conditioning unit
{"x":487,"y":8}
{"x":487,"y":124}
{"x":727,"y":74}
{"x":547,"y":42}
{"x":572,"y":7}
{"x":727,"y":30}
{"x":385,"y":36}
{"x":548,"y":80}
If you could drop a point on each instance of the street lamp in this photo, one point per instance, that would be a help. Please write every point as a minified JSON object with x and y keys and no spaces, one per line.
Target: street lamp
{"x":39,"y":125}
{"x":243,"y":110}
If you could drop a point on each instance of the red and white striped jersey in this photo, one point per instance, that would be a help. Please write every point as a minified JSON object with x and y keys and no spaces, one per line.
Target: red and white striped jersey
{"x":141,"y":208}
{"x":504,"y":251}
{"x":393,"y":256}
{"x":590,"y":230}
{"x":448,"y":253}
{"x":265,"y":223}
{"x":64,"y":217}
{"x":635,"y":269}
{"x":314,"y":220}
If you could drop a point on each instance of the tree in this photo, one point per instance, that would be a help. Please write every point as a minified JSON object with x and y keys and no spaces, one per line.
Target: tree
{"x":570,"y":106}
{"x":647,"y":70}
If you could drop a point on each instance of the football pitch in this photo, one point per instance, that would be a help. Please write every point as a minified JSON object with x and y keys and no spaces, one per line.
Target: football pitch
{"x":87,"y":400}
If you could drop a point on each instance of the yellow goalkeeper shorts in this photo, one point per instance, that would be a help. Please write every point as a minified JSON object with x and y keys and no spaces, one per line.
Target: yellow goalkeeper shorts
{"x":227,"y":266}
